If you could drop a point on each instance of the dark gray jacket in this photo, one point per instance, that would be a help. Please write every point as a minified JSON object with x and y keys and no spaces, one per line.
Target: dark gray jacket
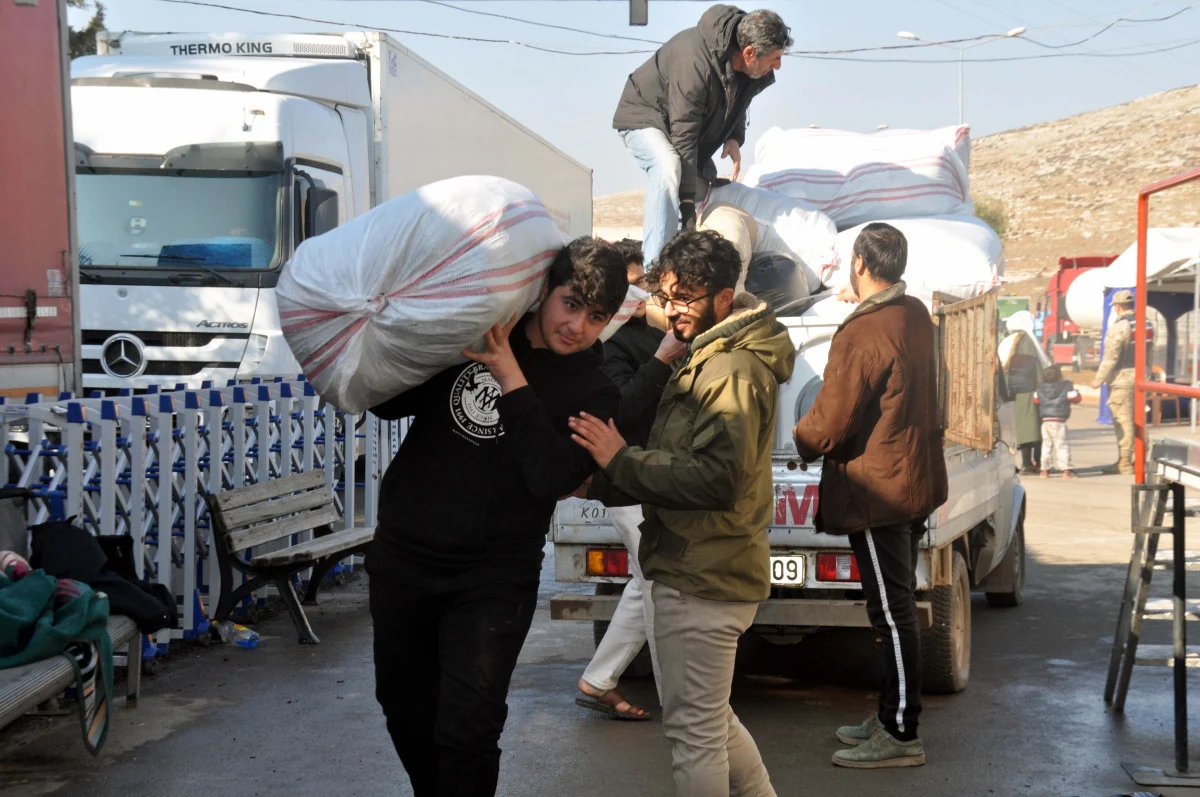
{"x":690,"y":91}
{"x":1054,"y":401}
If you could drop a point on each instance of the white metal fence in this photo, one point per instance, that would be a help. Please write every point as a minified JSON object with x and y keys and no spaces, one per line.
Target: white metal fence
{"x":140,"y":464}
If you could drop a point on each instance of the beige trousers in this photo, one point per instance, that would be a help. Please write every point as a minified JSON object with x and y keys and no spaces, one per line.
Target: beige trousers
{"x":712,"y":754}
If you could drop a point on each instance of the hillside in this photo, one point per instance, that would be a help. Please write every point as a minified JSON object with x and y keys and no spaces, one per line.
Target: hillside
{"x":1068,"y":186}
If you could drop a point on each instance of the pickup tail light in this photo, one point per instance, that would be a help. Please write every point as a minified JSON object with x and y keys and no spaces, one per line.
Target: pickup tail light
{"x":837,"y":567}
{"x":607,"y":562}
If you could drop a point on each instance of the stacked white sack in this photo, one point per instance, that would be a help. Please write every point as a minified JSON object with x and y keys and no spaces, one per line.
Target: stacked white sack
{"x":785,"y":226}
{"x":957,"y":255}
{"x":379,"y":305}
{"x":859,"y":177}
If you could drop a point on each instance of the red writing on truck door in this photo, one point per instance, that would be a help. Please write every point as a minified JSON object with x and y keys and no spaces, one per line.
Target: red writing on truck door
{"x":794,"y":508}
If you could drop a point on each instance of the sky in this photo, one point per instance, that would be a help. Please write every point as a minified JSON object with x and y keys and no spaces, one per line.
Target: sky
{"x":570,"y":99}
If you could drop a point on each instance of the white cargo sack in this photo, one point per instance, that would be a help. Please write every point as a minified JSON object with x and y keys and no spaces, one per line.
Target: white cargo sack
{"x":860,"y":177}
{"x":785,"y":226}
{"x":958,"y":255}
{"x":379,"y":305}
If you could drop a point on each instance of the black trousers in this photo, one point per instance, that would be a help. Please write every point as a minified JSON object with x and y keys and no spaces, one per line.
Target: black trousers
{"x":444,"y":656}
{"x":1031,"y":455}
{"x":887,"y":558}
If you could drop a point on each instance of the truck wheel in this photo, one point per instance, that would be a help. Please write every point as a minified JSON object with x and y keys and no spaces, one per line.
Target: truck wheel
{"x":946,"y":645}
{"x":1014,"y":561}
{"x":641,"y":666}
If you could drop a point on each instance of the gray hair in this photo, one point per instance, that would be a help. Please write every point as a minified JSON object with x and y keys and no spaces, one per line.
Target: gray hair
{"x":764,"y":31}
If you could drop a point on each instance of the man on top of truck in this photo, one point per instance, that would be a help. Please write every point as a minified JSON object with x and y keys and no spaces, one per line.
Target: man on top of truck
{"x":689,"y":100}
{"x":638,"y":359}
{"x":877,"y":425}
{"x":463,"y":514}
{"x":704,"y":482}
{"x":1117,"y":371}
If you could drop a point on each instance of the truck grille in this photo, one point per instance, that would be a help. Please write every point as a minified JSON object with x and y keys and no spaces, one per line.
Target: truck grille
{"x":96,"y":337}
{"x":310,"y":48}
{"x":163,"y":367}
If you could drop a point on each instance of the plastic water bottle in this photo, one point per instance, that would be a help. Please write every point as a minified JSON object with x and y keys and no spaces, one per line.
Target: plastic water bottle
{"x":238,"y":635}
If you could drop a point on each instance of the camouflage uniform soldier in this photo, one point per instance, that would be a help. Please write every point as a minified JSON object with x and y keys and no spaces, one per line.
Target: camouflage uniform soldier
{"x":1117,"y":371}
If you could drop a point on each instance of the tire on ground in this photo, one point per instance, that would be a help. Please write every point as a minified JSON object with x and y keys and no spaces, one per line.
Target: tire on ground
{"x":946,"y":645}
{"x":1014,"y":562}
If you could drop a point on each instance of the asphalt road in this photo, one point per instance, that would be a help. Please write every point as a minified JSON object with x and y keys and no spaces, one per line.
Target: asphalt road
{"x":292,"y":720}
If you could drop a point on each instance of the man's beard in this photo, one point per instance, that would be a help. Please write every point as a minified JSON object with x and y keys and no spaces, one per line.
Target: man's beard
{"x":853,"y":280}
{"x":706,"y":321}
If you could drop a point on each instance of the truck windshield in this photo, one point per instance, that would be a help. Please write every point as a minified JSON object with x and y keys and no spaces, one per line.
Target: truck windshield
{"x":179,"y":220}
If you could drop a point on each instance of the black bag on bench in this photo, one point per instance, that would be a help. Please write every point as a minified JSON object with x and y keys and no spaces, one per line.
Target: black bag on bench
{"x":105,"y":564}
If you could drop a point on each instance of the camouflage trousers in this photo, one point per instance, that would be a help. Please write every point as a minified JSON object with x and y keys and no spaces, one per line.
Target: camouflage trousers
{"x":1120,"y":404}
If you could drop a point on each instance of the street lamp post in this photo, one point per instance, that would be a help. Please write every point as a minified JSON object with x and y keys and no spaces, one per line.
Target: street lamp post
{"x":961,"y":53}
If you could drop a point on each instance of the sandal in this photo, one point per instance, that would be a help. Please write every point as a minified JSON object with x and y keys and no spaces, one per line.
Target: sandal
{"x":596,"y":703}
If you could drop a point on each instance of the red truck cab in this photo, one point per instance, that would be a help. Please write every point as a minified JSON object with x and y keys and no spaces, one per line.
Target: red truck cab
{"x":1060,"y":335}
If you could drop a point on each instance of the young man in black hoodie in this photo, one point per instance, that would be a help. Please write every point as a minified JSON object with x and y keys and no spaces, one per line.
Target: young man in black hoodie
{"x":463,"y":514}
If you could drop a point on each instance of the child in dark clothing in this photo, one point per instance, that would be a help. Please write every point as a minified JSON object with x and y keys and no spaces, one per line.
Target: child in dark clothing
{"x":1054,"y":398}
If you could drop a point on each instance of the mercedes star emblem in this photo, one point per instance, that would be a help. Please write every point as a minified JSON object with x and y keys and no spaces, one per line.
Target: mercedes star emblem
{"x":122,"y":356}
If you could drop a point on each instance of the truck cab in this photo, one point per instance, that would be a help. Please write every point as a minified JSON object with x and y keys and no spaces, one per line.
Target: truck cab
{"x":203,"y":160}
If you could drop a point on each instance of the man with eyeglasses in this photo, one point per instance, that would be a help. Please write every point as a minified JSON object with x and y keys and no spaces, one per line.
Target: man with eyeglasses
{"x":704,"y":482}
{"x":638,"y":358}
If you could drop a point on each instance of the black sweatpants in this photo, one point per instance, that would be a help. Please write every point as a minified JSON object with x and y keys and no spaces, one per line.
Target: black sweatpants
{"x":444,"y":655}
{"x":887,"y":559}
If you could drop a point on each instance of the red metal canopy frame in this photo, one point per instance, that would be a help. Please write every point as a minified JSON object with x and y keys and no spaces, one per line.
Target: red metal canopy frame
{"x":1141,"y":385}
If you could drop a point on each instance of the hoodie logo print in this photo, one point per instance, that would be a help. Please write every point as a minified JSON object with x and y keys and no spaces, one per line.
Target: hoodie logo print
{"x":473,"y":402}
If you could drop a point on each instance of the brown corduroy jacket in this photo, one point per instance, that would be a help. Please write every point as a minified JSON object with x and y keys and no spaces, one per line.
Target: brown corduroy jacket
{"x":876,"y":419}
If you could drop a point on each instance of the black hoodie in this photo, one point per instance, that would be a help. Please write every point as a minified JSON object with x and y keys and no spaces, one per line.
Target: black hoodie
{"x":476,"y":479}
{"x":690,"y":91}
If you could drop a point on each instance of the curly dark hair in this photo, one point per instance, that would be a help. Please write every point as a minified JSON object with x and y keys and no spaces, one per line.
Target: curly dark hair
{"x":700,"y":260}
{"x":631,"y":250}
{"x":594,"y":268}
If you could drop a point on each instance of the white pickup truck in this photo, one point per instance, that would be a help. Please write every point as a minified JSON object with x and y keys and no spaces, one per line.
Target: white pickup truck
{"x":975,"y":540}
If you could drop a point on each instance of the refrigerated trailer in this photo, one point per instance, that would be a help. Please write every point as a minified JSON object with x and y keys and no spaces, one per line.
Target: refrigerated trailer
{"x":203,"y":160}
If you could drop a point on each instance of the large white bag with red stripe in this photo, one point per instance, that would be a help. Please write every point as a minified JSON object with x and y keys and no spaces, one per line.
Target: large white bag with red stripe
{"x":784,"y":226}
{"x":384,"y":302}
{"x":859,"y":177}
{"x":958,"y":255}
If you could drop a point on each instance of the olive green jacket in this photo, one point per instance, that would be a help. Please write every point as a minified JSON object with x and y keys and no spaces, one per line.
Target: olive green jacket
{"x":704,"y":478}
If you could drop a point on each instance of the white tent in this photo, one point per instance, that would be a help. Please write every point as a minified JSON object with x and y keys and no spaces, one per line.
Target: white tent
{"x":1168,"y":248}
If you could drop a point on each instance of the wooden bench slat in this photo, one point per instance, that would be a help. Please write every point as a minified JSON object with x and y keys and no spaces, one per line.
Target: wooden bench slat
{"x":272,"y":488}
{"x":316,"y":548}
{"x":235,"y":519}
{"x":284,"y":527}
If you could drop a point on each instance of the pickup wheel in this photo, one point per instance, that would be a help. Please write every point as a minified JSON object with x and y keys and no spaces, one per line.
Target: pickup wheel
{"x":641,"y":666}
{"x":1014,"y":562}
{"x":946,"y":645}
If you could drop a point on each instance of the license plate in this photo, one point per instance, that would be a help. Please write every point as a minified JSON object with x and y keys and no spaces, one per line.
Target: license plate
{"x":787,"y":570}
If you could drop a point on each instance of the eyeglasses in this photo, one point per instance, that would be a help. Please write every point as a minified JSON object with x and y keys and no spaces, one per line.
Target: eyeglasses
{"x":680,"y":305}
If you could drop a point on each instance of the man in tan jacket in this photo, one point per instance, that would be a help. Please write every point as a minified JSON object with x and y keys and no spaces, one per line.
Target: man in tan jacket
{"x":704,"y":479}
{"x":877,"y":425}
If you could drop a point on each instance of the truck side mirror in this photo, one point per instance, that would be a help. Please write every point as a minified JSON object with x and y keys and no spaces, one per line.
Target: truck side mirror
{"x":320,"y":211}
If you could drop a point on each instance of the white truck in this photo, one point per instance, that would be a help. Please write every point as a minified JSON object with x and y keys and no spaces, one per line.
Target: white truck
{"x":203,"y":160}
{"x":975,"y":540}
